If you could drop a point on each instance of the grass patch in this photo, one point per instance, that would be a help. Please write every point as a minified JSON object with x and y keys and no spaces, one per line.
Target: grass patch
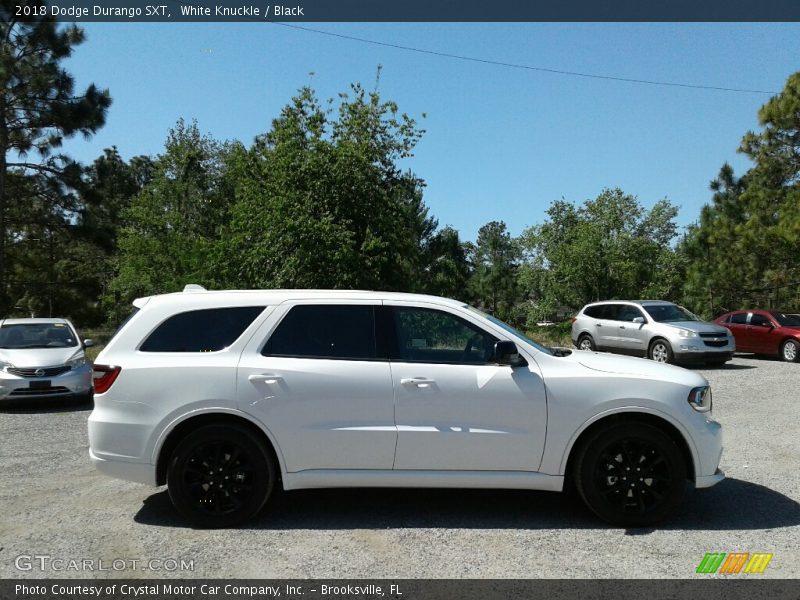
{"x":554,"y":335}
{"x":100,"y":338}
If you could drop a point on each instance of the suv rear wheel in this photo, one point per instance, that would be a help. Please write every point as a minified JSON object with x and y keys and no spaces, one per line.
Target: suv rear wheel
{"x":631,"y":474}
{"x":220,"y":476}
{"x":585,"y":342}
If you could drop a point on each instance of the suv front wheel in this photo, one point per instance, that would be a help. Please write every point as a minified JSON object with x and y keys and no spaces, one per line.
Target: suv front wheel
{"x":631,"y":474}
{"x":660,"y":351}
{"x":220,"y":476}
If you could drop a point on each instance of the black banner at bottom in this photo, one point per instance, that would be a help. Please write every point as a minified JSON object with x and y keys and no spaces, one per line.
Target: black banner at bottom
{"x":399,"y":589}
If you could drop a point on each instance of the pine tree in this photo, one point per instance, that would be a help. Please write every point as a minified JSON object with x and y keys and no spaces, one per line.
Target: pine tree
{"x":38,"y":106}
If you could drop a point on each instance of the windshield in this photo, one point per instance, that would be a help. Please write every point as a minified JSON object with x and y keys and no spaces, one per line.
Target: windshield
{"x":37,"y":335}
{"x":665,"y":313}
{"x":787,"y":320}
{"x":510,"y":330}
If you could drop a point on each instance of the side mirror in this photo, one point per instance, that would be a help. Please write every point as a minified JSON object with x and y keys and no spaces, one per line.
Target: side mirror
{"x":638,"y":320}
{"x":506,"y":353}
{"x":88,"y":343}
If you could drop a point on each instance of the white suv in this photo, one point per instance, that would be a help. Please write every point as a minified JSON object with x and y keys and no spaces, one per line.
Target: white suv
{"x":225,"y":395}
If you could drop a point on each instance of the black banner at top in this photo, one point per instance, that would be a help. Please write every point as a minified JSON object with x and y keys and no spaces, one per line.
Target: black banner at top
{"x":406,"y":10}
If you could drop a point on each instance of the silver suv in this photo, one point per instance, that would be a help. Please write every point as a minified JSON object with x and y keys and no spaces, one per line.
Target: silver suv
{"x":662,"y":331}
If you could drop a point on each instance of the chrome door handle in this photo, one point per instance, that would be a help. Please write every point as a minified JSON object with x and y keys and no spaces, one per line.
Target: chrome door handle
{"x":265,"y":378}
{"x":622,"y":326}
{"x":420,"y":382}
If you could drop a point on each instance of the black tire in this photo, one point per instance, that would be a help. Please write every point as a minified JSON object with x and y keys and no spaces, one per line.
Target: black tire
{"x":220,"y":476}
{"x":660,"y":351}
{"x":790,"y":351}
{"x":608,"y":458}
{"x":585,"y":342}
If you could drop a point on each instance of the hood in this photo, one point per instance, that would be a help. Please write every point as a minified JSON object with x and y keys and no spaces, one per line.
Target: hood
{"x":698,"y":326}
{"x":38,"y":357}
{"x":642,"y":367}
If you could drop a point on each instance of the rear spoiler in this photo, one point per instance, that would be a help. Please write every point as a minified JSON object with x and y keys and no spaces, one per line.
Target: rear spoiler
{"x":140,"y":302}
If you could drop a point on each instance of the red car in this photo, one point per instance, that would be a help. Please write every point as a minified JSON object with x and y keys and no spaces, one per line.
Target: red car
{"x":764,"y":332}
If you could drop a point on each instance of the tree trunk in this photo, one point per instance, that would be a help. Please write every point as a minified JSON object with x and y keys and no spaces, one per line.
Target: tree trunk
{"x":3,"y":270}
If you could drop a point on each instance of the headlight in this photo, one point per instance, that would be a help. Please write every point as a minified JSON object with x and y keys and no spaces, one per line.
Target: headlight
{"x":700,"y":399}
{"x":4,"y":365}
{"x":685,"y":333}
{"x":76,"y":361}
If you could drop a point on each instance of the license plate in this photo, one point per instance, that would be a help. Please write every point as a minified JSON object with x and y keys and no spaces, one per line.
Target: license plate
{"x":39,"y":385}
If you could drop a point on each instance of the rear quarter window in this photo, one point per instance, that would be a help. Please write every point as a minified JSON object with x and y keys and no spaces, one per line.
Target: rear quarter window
{"x":206,"y":330}
{"x":595,"y":312}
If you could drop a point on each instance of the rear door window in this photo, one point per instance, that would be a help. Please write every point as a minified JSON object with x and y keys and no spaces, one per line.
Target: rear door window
{"x":207,"y":330}
{"x":345,"y":332}
{"x":613,"y":312}
{"x":738,"y":319}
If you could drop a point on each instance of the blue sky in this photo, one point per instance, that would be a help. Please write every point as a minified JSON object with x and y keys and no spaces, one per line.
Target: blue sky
{"x":501,"y":144}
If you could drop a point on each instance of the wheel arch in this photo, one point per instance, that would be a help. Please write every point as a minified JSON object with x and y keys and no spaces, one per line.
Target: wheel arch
{"x":658,"y":420}
{"x":657,"y":338}
{"x":181,"y":427}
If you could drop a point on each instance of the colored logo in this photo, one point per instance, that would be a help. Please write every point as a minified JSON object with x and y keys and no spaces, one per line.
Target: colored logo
{"x":734,"y":562}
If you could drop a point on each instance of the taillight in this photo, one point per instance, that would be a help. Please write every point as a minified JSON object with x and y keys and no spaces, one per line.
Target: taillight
{"x":104,"y":377}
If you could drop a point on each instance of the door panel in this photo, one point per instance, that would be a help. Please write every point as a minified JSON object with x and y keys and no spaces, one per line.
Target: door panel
{"x":761,"y":337}
{"x":608,"y":328}
{"x":632,"y":336}
{"x":469,"y":416}
{"x":738,"y":327}
{"x":325,"y":413}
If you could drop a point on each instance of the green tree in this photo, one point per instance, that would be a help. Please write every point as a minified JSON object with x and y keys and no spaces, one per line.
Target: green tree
{"x":610,"y":247}
{"x":39,"y":108}
{"x":743,"y":251}
{"x":172,"y":225}
{"x":495,"y":260}
{"x":322,"y":202}
{"x":446,"y":271}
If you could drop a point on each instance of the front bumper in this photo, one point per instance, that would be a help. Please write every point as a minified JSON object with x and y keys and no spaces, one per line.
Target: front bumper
{"x":75,"y":382}
{"x":706,"y":433}
{"x":701,"y":356}
{"x":707,"y":481}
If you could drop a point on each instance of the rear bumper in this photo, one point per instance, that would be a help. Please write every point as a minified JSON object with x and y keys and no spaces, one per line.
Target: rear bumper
{"x":121,"y":469}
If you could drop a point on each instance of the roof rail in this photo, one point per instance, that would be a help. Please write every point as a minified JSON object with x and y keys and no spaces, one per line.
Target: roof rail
{"x":193,"y":287}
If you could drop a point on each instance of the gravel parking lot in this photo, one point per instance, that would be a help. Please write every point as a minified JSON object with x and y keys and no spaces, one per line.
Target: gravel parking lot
{"x":57,"y":506}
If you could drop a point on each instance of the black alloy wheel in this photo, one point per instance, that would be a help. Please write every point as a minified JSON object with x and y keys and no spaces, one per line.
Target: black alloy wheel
{"x":631,"y":474}
{"x":220,"y":476}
